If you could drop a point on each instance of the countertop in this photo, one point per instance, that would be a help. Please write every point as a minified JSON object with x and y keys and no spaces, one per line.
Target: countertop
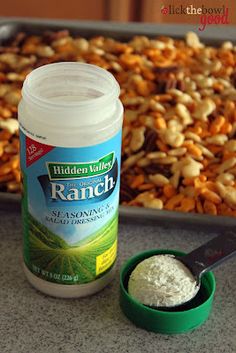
{"x":31,"y":322}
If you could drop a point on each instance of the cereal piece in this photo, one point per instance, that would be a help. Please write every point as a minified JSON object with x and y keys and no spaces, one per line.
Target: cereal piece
{"x":17,"y":175}
{"x":188,"y":181}
{"x":204,"y":109}
{"x":82,"y":44}
{"x":210,"y":196}
{"x":184,"y":114}
{"x":159,"y":179}
{"x":157,"y":107}
{"x":162,"y":146}
{"x":227,"y":45}
{"x":199,"y":207}
{"x":6,"y":177}
{"x":226,"y":179}
{"x":185,"y":99}
{"x":178,"y":152}
{"x":187,"y":205}
{"x":155,"y":155}
{"x":160,"y":123}
{"x":228,"y":193}
{"x":193,"y":41}
{"x":10,"y":125}
{"x":174,"y":180}
{"x":174,"y":201}
{"x":130,"y":60}
{"x":230,"y":145}
{"x":147,"y":120}
{"x":166,"y":160}
{"x":173,"y":138}
{"x":194,"y":150}
{"x":169,"y":190}
{"x":210,"y":208}
{"x":137,"y":138}
{"x":192,"y":136}
{"x":138,"y":180}
{"x":191,"y":168}
{"x":132,"y":160}
{"x":229,"y":163}
{"x":13,"y":97}
{"x":226,"y":128}
{"x":205,"y":151}
{"x":144,"y":88}
{"x":13,"y":186}
{"x":189,"y":191}
{"x":5,"y":112}
{"x":143,"y":162}
{"x":217,"y":124}
{"x":175,"y":125}
{"x":5,"y":168}
{"x":130,"y":115}
{"x":146,"y":186}
{"x":132,"y":101}
{"x":155,"y":203}
{"x":45,"y":51}
{"x":218,"y":140}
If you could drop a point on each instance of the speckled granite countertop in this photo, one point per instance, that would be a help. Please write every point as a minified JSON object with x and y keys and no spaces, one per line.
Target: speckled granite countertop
{"x":31,"y":322}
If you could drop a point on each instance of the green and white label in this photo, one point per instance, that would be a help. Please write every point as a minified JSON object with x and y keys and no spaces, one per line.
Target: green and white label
{"x":70,"y":209}
{"x":59,"y":171}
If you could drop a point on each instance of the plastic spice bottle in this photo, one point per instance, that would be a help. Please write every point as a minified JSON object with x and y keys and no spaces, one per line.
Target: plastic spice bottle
{"x":70,"y":132}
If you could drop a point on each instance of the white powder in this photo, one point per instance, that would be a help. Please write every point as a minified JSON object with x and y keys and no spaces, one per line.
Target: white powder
{"x":162,"y":280}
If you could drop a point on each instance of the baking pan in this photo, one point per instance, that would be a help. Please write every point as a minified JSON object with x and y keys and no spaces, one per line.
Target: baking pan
{"x":130,"y":214}
{"x":213,"y":35}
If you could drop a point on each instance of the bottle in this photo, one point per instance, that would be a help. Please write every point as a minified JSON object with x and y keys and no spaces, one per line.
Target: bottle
{"x":70,"y":120}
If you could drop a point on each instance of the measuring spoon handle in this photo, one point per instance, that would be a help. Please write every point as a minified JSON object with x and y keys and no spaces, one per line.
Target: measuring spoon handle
{"x":211,"y":254}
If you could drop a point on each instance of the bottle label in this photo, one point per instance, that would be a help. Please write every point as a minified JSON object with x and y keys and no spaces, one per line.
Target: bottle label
{"x":70,"y":209}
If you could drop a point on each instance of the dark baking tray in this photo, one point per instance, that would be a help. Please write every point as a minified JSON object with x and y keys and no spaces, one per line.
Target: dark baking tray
{"x":213,"y":35}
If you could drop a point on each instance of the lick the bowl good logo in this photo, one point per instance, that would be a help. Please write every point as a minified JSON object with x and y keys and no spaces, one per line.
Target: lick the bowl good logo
{"x":207,"y":15}
{"x":88,"y":182}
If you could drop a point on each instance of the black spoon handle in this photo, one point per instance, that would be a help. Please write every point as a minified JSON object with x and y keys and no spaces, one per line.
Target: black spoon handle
{"x":211,"y":254}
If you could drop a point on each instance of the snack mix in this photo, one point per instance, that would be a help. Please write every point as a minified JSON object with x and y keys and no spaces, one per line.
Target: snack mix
{"x":179,"y":131}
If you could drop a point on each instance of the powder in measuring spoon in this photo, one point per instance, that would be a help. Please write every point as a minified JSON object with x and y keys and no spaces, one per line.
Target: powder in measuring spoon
{"x":162,"y":280}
